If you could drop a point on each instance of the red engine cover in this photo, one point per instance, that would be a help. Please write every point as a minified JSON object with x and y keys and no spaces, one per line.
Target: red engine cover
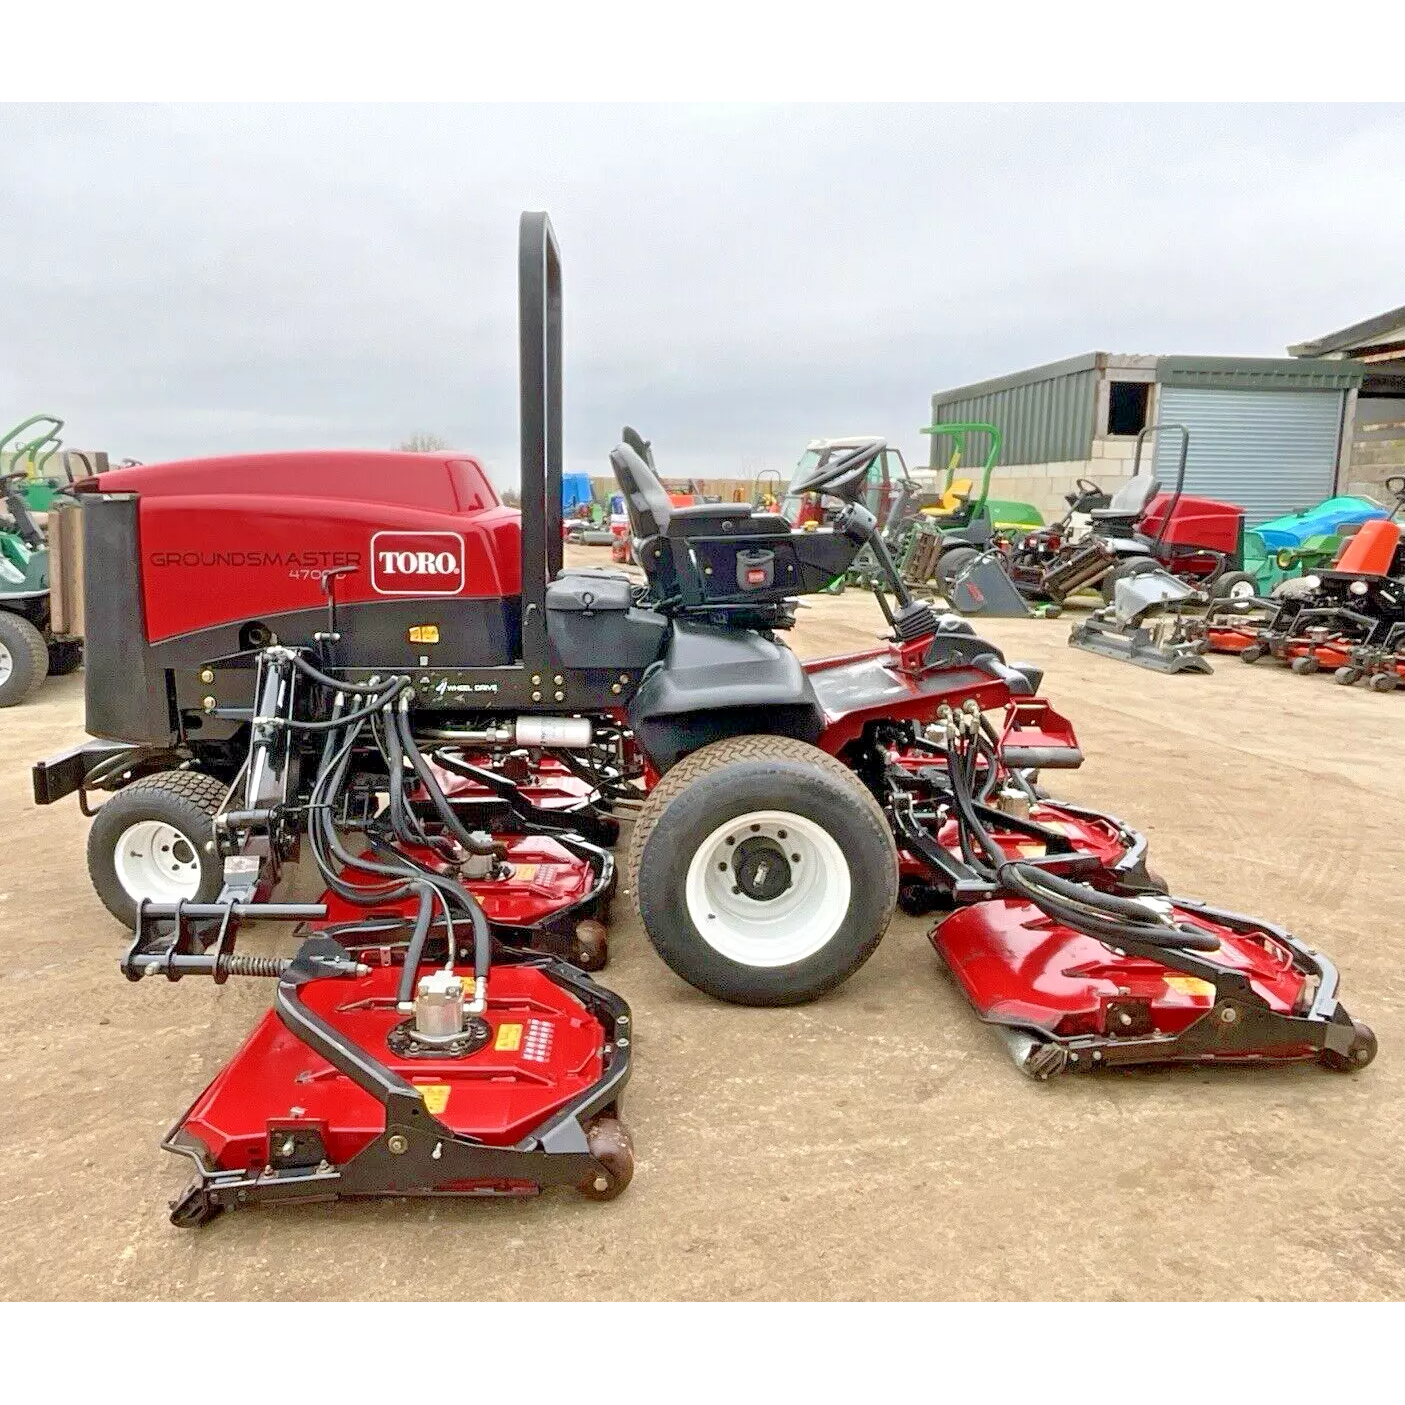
{"x":1018,"y":966}
{"x":1217,"y":526}
{"x":546,"y":1050}
{"x":232,"y":538}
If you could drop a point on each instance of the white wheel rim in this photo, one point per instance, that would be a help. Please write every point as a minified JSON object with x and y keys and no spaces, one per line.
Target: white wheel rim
{"x":7,"y":665}
{"x":155,"y":860}
{"x":779,"y":930}
{"x":1242,"y":590}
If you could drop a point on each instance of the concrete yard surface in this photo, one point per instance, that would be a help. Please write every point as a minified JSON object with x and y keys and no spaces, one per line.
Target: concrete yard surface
{"x":877,"y":1144}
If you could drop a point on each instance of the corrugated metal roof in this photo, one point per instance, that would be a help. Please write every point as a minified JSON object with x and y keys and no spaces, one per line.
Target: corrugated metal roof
{"x":1036,"y":373}
{"x":1257,"y":373}
{"x":1371,"y":332}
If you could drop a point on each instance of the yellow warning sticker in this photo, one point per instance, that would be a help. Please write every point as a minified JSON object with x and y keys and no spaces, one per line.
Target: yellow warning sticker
{"x":509,"y":1038}
{"x":525,"y":872}
{"x":1190,"y":985}
{"x":424,"y":634}
{"x":1031,"y":851}
{"x":435,"y":1095}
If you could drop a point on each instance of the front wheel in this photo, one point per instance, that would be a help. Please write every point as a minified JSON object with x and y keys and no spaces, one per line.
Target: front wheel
{"x":155,"y":839}
{"x":763,"y":870}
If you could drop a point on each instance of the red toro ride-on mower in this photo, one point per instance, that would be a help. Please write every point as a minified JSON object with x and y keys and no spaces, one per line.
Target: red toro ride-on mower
{"x":1350,"y":619}
{"x":363,"y":657}
{"x":1197,"y":540}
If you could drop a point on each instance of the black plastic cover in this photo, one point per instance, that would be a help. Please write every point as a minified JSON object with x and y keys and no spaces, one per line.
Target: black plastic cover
{"x":124,"y":685}
{"x":714,"y":683}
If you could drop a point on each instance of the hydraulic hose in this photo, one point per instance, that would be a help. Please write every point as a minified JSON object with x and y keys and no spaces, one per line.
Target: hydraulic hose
{"x":403,"y":878}
{"x":480,"y":846}
{"x":1107,"y":917}
{"x":310,"y":670}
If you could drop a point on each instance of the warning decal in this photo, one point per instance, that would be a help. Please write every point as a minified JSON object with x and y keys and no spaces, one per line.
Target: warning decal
{"x":435,"y":1095}
{"x":509,"y":1038}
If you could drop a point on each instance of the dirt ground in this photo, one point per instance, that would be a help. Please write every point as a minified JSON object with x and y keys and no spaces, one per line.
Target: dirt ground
{"x":878,"y":1144}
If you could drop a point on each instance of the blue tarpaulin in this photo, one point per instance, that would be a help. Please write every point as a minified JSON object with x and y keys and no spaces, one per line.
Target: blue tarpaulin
{"x":575,"y":490}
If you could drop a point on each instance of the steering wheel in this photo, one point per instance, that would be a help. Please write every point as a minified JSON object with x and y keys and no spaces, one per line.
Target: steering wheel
{"x":840,"y":468}
{"x":1084,"y":486}
{"x":1396,"y":484}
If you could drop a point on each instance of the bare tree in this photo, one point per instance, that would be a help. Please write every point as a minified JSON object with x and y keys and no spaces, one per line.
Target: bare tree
{"x":421,"y":442}
{"x":510,"y":497}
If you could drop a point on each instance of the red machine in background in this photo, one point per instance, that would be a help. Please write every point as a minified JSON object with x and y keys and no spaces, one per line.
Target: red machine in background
{"x":365,"y":662}
{"x":1198,"y":540}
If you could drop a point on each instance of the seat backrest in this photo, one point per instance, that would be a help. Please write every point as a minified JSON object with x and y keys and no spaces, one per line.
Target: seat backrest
{"x":1132,"y":497}
{"x":646,"y":502}
{"x":1371,"y":551}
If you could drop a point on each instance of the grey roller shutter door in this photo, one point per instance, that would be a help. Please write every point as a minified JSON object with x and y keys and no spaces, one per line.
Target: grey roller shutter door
{"x":1271,"y":451}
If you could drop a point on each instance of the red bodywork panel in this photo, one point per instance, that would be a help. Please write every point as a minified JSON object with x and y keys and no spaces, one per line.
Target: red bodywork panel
{"x":891,"y":683}
{"x":1217,"y":526}
{"x":1371,"y":551}
{"x":546,"y":1050}
{"x":231,"y":539}
{"x":1020,"y":967}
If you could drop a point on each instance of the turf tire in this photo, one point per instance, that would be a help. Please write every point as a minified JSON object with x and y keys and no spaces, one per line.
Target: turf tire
{"x":29,"y":659}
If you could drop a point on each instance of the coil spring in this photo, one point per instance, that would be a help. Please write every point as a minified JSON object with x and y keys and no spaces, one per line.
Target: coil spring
{"x":239,"y":965}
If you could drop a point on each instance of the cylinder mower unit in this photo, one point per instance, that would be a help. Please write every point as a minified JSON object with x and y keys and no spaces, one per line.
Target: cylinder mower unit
{"x":1197,"y":540}
{"x":1147,"y":625}
{"x":364,"y":661}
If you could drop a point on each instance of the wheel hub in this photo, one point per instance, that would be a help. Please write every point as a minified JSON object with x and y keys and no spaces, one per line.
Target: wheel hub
{"x":761,"y":868}
{"x":7,"y":664}
{"x":155,"y":860}
{"x":768,"y":888}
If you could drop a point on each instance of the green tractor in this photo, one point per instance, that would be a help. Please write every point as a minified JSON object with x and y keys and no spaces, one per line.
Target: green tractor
{"x":31,"y":647}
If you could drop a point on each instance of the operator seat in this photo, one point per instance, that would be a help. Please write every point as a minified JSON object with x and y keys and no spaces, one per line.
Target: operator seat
{"x":1128,"y":503}
{"x":662,"y":531}
{"x":724,"y":556}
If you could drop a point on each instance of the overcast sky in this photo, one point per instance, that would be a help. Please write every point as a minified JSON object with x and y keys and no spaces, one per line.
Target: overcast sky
{"x":185,"y":280}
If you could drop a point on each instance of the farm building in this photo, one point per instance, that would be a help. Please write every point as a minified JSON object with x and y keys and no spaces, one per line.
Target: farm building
{"x":1273,"y":434}
{"x":1376,"y":448}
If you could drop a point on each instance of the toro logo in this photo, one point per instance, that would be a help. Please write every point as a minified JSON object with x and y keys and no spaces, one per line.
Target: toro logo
{"x":417,"y":563}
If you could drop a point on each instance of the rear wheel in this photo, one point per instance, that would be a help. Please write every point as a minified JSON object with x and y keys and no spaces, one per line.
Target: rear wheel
{"x":1346,"y":675}
{"x":155,"y":840}
{"x":763,"y":870}
{"x":24,"y":659}
{"x":1235,"y":585}
{"x":1383,"y":683}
